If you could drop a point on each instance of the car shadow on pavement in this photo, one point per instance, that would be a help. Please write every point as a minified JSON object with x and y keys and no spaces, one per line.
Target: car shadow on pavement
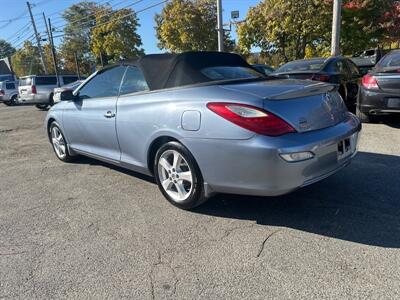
{"x":390,"y":120}
{"x":360,"y":204}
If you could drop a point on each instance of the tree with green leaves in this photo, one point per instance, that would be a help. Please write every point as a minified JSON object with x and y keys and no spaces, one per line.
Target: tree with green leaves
{"x":26,"y":60}
{"x":114,"y":37}
{"x":80,"y":18}
{"x":6,"y":49}
{"x":189,"y":25}
{"x":363,"y":24}
{"x":287,"y":28}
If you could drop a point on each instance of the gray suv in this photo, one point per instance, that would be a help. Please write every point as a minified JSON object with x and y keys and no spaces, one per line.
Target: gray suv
{"x":8,"y":89}
{"x":39,"y":89}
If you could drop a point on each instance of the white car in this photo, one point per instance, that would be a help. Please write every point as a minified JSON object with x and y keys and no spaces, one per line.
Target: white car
{"x":68,"y":87}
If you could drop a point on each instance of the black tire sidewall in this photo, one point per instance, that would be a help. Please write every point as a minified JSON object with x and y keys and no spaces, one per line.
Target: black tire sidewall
{"x":67,"y":157}
{"x":197,"y":194}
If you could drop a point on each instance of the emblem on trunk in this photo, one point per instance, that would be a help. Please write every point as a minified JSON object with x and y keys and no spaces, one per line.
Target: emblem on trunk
{"x":303,"y":123}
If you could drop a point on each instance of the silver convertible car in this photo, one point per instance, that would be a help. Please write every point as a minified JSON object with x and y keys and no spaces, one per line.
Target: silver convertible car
{"x":206,"y":122}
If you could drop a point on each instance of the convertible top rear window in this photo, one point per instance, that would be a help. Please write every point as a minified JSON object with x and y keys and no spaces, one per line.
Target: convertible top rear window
{"x":302,"y":65}
{"x":229,"y":72}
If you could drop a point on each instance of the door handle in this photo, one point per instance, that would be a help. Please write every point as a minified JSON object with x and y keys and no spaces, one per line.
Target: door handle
{"x":109,"y":114}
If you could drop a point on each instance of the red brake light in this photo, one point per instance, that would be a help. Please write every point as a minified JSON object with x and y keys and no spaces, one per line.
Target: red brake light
{"x":34,"y":91}
{"x":320,"y":77}
{"x":2,"y":93}
{"x":251,"y":118}
{"x":369,"y":82}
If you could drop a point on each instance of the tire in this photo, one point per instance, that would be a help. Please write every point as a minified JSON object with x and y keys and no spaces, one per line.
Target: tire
{"x":59,"y":143}
{"x":42,"y":106}
{"x":14,"y":100}
{"x":181,"y":182}
{"x":364,"y":117}
{"x":51,"y":100}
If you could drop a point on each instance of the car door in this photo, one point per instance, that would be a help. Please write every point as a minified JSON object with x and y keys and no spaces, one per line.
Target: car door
{"x":135,"y":121}
{"x":89,"y":120}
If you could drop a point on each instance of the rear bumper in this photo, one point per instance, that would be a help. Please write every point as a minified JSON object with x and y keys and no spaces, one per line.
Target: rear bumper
{"x":378,"y":102}
{"x":254,"y":166}
{"x":34,"y":99}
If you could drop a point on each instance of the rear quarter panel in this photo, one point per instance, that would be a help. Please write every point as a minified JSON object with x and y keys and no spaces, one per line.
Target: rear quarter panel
{"x":143,"y":117}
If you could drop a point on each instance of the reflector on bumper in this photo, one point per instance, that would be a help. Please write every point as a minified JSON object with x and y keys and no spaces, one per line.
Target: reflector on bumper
{"x":297,"y":156}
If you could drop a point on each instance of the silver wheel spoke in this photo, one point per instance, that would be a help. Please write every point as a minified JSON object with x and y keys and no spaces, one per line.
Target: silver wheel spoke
{"x":165,"y":164}
{"x":177,"y":160}
{"x":181,"y":190}
{"x":186,"y":176}
{"x":167,"y":184}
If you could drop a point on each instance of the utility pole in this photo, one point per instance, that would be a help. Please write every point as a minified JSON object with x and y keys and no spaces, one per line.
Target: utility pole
{"x":220,"y":26}
{"x":78,"y":72}
{"x":37,"y":39}
{"x":336,"y":22}
{"x":53,"y":51}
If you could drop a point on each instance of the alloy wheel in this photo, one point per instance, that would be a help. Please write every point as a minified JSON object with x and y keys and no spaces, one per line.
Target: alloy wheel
{"x":175,"y":175}
{"x":58,"y":142}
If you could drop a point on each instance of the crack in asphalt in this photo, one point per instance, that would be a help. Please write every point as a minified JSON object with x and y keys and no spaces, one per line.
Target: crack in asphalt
{"x":260,"y":251}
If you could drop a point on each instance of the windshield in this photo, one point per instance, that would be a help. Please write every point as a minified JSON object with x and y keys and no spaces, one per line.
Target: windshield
{"x":302,"y":65}
{"x":230,"y":73}
{"x":389,"y":61}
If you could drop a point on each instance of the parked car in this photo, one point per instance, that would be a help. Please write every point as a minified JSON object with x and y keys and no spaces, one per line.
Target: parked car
{"x":9,"y":92}
{"x":369,"y":57}
{"x":68,"y":87}
{"x":206,"y":122}
{"x":338,"y":70}
{"x":39,"y":89}
{"x":265,"y":69}
{"x":380,"y":89}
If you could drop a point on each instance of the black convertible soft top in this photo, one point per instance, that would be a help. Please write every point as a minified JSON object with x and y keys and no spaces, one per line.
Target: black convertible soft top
{"x":168,"y":70}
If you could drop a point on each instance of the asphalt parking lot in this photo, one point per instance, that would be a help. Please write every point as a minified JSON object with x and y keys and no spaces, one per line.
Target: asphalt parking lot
{"x":91,"y":230}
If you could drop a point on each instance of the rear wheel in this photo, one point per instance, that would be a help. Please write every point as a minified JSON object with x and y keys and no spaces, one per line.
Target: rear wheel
{"x":42,"y":106}
{"x":12,"y":101}
{"x":178,"y":176}
{"x":364,"y":117}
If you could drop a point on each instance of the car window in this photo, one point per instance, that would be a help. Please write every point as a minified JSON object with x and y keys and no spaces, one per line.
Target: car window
{"x":353,"y":68}
{"x":46,"y":80}
{"x":302,"y":65}
{"x":390,"y":60}
{"x":6,"y":77}
{"x":339,"y":66}
{"x":230,"y":72}
{"x":133,"y":81}
{"x":25,"y":81}
{"x":105,"y":84}
{"x":69,"y":79}
{"x":10,"y":86}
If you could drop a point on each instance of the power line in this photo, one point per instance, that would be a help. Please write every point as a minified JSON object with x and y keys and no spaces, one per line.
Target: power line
{"x":122,"y":17}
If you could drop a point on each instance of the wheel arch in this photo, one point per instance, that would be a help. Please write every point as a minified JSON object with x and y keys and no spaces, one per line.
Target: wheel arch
{"x":154,"y":146}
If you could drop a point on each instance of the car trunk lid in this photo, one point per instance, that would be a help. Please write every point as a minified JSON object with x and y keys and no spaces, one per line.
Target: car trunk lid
{"x":305,"y":105}
{"x":389,"y":81}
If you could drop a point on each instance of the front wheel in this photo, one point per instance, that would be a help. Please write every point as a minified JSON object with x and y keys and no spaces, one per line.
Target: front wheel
{"x":59,"y":143}
{"x":178,"y":176}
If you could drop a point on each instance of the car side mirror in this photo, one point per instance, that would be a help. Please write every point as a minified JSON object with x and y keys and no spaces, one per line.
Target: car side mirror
{"x":67,"y":96}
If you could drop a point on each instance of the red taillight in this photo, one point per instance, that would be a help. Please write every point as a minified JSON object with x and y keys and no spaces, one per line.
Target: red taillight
{"x":251,"y":118}
{"x":2,"y":93}
{"x":369,"y":82}
{"x":320,"y":77}
{"x":34,"y":91}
